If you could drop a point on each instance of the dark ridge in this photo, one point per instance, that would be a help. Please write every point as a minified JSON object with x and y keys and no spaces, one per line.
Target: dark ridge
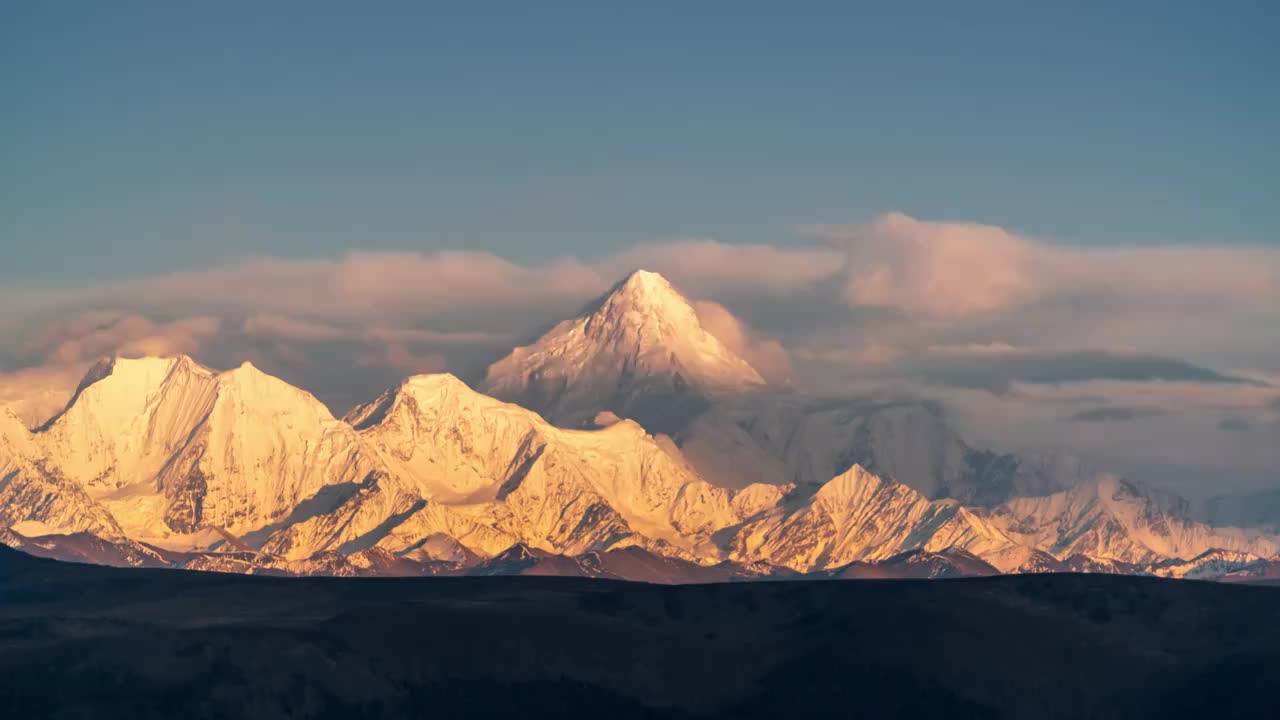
{"x":378,"y":412}
{"x":86,"y":641}
{"x":101,"y":370}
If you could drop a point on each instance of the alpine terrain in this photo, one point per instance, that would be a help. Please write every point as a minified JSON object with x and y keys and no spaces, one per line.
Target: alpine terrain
{"x":627,"y":442}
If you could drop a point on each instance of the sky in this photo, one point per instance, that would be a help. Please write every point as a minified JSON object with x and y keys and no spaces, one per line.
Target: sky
{"x":147,"y":136}
{"x":1059,"y":219}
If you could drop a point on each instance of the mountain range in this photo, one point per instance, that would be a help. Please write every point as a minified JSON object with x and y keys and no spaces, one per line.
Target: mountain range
{"x":625,"y":442}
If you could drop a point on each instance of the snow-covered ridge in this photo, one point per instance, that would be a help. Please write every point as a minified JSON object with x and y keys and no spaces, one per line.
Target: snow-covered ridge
{"x":171,"y":449}
{"x":240,"y":471}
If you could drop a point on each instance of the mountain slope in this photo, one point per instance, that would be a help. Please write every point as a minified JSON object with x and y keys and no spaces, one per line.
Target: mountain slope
{"x":1114,"y":519}
{"x":173,"y":449}
{"x":475,"y":462}
{"x":639,"y":351}
{"x":161,"y":461}
{"x":858,"y":516}
{"x":36,"y":497}
{"x":807,"y":441}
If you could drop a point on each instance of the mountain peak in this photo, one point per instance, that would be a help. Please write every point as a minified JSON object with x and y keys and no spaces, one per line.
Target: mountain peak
{"x":645,"y":301}
{"x":639,"y":342}
{"x":442,"y":380}
{"x":646,"y":283}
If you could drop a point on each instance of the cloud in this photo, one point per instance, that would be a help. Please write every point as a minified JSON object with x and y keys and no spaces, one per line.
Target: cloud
{"x":1233,"y":424}
{"x":1015,"y":332}
{"x":952,"y":270}
{"x":1114,"y":414}
{"x":283,"y":326}
{"x":941,"y":270}
{"x":92,"y":334}
{"x":1174,"y":441}
{"x":706,"y":268}
{"x":998,"y":367}
{"x":37,"y":394}
{"x":369,"y":315}
{"x":766,"y":355}
{"x":913,"y":285}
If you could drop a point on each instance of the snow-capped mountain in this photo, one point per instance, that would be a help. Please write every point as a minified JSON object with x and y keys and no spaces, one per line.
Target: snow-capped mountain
{"x":639,"y":351}
{"x":489,"y":474}
{"x":35,"y":496}
{"x":172,"y":449}
{"x":807,"y":440}
{"x":160,"y":461}
{"x":858,"y":516}
{"x":1113,"y":519}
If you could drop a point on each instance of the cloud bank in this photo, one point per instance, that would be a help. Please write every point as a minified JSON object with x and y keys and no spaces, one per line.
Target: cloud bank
{"x":1004,"y":325}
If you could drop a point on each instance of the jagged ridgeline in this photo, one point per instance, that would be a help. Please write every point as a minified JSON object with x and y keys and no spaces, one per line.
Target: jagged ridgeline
{"x":626,"y":442}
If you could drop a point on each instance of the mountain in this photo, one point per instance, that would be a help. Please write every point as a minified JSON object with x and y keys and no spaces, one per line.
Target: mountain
{"x":858,"y":516}
{"x":164,"y":462}
{"x":1114,"y":519}
{"x":806,"y":441}
{"x":176,"y":452}
{"x":917,"y":564}
{"x":639,"y":352}
{"x":1210,"y":564}
{"x":489,"y":474}
{"x":161,"y":461}
{"x":35,"y":496}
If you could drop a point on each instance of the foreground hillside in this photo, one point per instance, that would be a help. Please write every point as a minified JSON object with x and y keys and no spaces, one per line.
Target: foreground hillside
{"x":84,"y":641}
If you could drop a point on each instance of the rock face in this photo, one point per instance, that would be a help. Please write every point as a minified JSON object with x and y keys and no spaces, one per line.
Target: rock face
{"x":163,"y":461}
{"x":639,"y":351}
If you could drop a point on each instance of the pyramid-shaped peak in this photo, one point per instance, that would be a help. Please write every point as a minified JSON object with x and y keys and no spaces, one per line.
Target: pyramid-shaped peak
{"x":435,"y":386}
{"x":649,"y":286}
{"x":250,"y":381}
{"x":435,"y":380}
{"x":645,"y":282}
{"x":643,"y":300}
{"x":638,"y":348}
{"x":245,"y":368}
{"x":435,"y":390}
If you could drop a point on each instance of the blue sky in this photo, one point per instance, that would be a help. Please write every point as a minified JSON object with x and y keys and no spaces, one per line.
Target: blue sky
{"x":146,"y":136}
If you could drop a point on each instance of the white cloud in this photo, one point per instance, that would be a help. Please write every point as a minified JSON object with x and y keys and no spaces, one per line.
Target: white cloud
{"x":764,"y":354}
{"x":953,"y":270}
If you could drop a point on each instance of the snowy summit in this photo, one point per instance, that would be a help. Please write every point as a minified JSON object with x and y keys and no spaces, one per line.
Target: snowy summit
{"x":638,"y":346}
